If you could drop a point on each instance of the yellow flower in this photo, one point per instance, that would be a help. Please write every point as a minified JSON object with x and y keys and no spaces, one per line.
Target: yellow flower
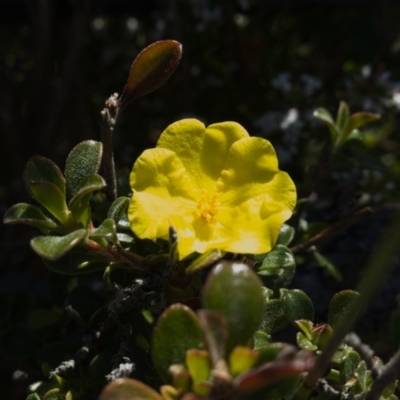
{"x":217,"y":186}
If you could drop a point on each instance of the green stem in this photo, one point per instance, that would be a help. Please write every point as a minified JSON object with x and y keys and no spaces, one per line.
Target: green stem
{"x":377,"y":269}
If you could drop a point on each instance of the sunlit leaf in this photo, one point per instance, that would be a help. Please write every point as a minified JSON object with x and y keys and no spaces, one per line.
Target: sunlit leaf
{"x":205,"y":260}
{"x":29,"y":215}
{"x":83,"y":160}
{"x":54,"y":247}
{"x":128,"y":389}
{"x":235,"y":291}
{"x":358,"y":120}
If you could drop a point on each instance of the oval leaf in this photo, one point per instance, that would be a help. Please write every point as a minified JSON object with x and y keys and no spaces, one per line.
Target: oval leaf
{"x":107,"y":230}
{"x":358,"y":120}
{"x":128,"y":389}
{"x":79,"y":204}
{"x":118,"y":209}
{"x":151,"y":68}
{"x":286,"y":235}
{"x":342,"y":115}
{"x":83,"y":160}
{"x":297,"y":305}
{"x":177,"y":331}
{"x":205,"y":260}
{"x":54,"y":247}
{"x":50,"y":197}
{"x":235,"y":291}
{"x":41,"y":169}
{"x":29,"y":215}
{"x":339,"y":304}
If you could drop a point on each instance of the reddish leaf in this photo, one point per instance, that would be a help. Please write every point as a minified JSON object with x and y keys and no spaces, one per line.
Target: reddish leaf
{"x":151,"y":68}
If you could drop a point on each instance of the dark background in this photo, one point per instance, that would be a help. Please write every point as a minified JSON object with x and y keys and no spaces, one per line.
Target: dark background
{"x":265,"y":64}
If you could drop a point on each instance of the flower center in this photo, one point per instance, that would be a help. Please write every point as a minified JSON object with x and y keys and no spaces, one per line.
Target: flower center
{"x":208,"y":206}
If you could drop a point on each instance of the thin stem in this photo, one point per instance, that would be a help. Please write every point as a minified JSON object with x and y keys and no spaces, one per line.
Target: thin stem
{"x":109,"y":117}
{"x":378,"y":267}
{"x":333,"y":229}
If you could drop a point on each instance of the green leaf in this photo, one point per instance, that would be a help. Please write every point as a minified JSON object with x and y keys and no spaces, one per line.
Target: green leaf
{"x":278,"y":267}
{"x":328,"y":265}
{"x":304,"y":342}
{"x":205,"y":260}
{"x":286,"y":235}
{"x":107,"y":230}
{"x":342,"y":115}
{"x":128,"y":389}
{"x":33,"y":396}
{"x":356,"y":121}
{"x":235,"y":291}
{"x":199,"y":365}
{"x":54,"y":247}
{"x":297,"y":305}
{"x":83,"y":160}
{"x":151,"y":68}
{"x":118,"y":209}
{"x":79,"y":204}
{"x":324,"y":115}
{"x":348,"y":366}
{"x":177,"y":331}
{"x":41,"y":169}
{"x":241,"y":360}
{"x":50,"y":197}
{"x":29,"y":215}
{"x":78,"y":262}
{"x":339,"y":304}
{"x":274,"y":318}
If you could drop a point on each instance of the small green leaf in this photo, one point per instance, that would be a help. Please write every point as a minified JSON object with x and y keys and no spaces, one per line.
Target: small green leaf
{"x":278,"y":267}
{"x":356,"y":121}
{"x":342,"y":115}
{"x":241,"y":360}
{"x":324,"y":115}
{"x":54,"y":247}
{"x":128,"y":389}
{"x":339,"y":304}
{"x":29,"y":215}
{"x":50,"y":197}
{"x":107,"y":230}
{"x":320,"y":335}
{"x":305,"y":326}
{"x":177,"y":331}
{"x":199,"y":365}
{"x":151,"y":68}
{"x":348,"y":366}
{"x":83,"y":160}
{"x":41,"y":169}
{"x":118,"y":209}
{"x":261,"y":339}
{"x":297,"y":305}
{"x":328,"y":265}
{"x":33,"y":396}
{"x":205,"y":260}
{"x":235,"y":291}
{"x":286,"y":235}
{"x":305,"y":343}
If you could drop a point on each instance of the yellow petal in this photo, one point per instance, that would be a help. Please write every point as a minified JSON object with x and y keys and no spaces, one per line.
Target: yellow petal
{"x":162,"y":190}
{"x":251,"y":170}
{"x":202,"y":150}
